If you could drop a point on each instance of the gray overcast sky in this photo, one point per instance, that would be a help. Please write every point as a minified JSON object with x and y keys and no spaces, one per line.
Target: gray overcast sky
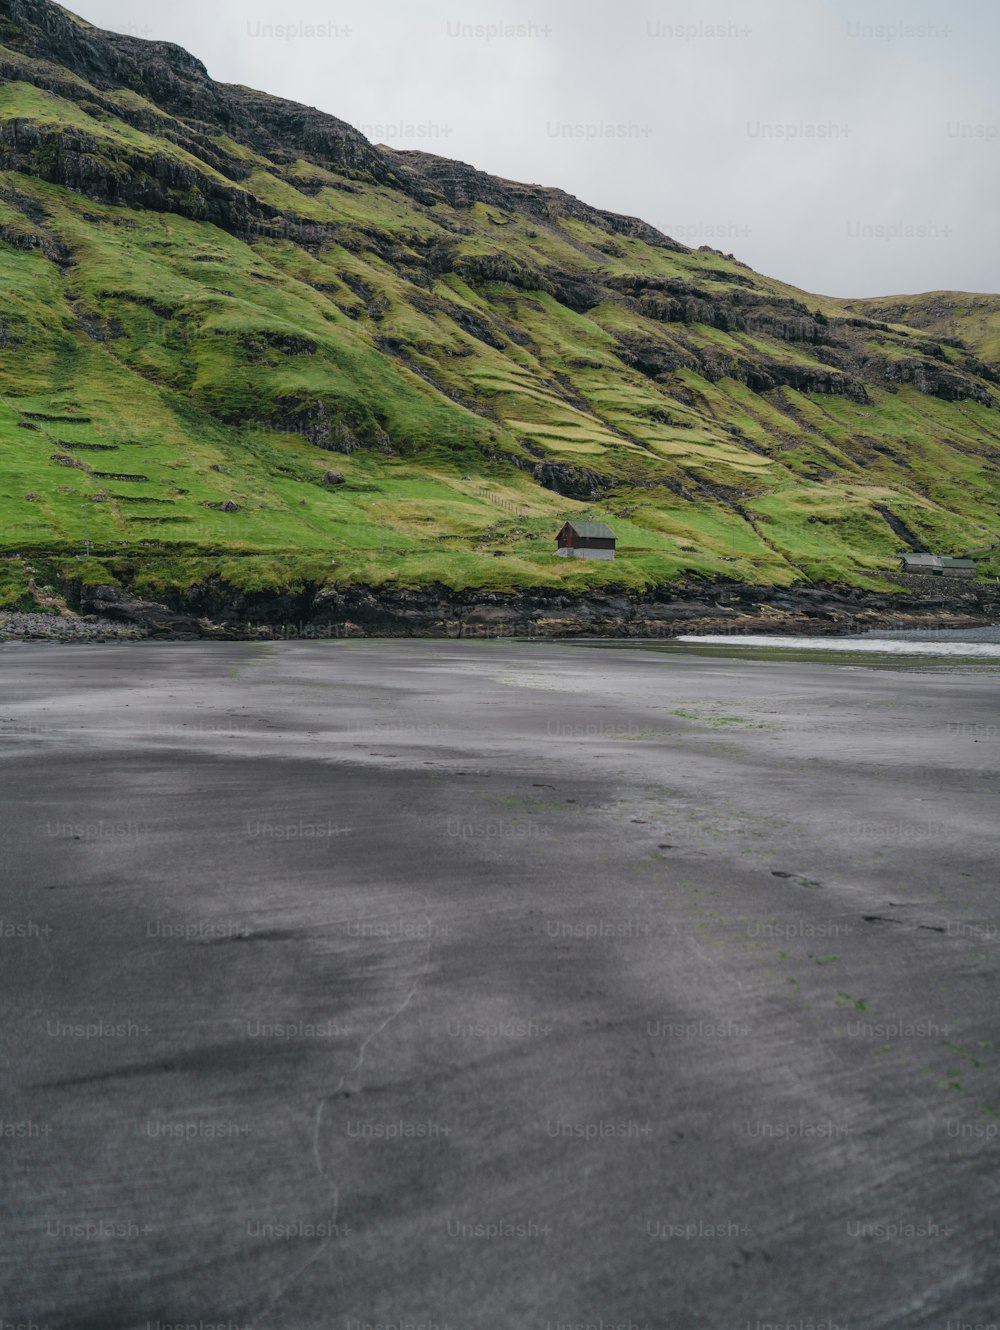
{"x":851,"y":147}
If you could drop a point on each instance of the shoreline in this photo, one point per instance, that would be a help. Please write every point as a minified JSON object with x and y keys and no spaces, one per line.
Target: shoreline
{"x":75,"y":629}
{"x":215,"y":610}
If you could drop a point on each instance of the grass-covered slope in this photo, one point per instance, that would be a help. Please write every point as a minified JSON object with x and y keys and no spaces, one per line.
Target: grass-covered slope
{"x":229,"y":324}
{"x":957,"y":318}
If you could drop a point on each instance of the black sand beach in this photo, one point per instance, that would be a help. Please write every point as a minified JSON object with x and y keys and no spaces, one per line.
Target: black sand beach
{"x":474,"y":985}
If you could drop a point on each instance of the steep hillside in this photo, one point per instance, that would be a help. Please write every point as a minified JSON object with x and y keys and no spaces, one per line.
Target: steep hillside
{"x":229,"y":325}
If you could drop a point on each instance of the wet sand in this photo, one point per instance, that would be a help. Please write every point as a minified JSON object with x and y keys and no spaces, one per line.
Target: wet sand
{"x":473,"y":985}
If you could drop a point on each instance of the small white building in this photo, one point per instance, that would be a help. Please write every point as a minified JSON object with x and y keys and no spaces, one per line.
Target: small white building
{"x":938,"y":565}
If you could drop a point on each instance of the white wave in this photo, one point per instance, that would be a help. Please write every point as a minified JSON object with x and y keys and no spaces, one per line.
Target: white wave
{"x":867,"y":645}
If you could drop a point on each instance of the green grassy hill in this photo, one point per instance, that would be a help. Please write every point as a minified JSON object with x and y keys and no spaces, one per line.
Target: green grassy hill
{"x":230,"y":326}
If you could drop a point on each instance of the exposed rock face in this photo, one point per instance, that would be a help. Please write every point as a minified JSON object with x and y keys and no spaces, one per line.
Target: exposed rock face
{"x":575,"y":482}
{"x":671,"y":301}
{"x":179,"y":84}
{"x":120,"y":606}
{"x":462,"y":185}
{"x":935,"y":380}
{"x":214,"y":608}
{"x":75,"y":159}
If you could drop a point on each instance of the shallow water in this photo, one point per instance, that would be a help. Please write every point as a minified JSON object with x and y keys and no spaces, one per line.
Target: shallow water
{"x":979,"y":643}
{"x":955,"y":651}
{"x":991,"y":634}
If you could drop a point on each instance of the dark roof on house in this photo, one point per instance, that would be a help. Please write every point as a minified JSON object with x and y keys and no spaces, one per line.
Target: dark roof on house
{"x":937,"y":561}
{"x":593,"y":530}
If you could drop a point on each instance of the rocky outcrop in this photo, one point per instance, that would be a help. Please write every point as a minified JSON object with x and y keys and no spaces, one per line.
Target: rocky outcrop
{"x":17,"y":626}
{"x":479,"y":269}
{"x":179,"y":84}
{"x":80,"y":161}
{"x":573,"y":482}
{"x":333,"y":425}
{"x":118,"y":605}
{"x":463,"y":186}
{"x":214,"y":608}
{"x":937,"y":380}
